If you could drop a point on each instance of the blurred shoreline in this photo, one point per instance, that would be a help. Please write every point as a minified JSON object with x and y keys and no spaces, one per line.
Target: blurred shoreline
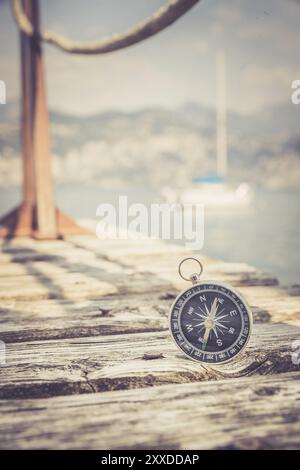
{"x":111,"y":148}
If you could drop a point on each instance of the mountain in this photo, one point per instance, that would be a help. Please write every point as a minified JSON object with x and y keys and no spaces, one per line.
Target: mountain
{"x":158,"y":146}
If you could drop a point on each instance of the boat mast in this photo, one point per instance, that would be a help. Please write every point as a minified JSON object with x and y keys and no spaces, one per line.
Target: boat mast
{"x":221,"y":114}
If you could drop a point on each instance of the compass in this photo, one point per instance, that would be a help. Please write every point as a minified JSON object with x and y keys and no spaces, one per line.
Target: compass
{"x":210,"y":321}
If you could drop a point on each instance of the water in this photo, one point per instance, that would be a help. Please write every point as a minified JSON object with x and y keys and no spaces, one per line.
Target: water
{"x":265,"y":235}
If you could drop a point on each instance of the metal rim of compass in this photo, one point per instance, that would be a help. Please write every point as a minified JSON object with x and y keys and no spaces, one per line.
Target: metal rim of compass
{"x":216,"y":365}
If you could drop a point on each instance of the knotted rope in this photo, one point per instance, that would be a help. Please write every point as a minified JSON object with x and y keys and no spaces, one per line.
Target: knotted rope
{"x":160,"y":20}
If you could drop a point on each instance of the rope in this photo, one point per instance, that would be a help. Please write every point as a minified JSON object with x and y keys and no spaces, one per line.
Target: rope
{"x":160,"y":20}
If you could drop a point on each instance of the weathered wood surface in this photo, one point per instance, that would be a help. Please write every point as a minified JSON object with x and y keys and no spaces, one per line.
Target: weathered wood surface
{"x":62,"y":277}
{"x":89,"y":318}
{"x":133,"y":313}
{"x":245,"y":414}
{"x":101,"y":363}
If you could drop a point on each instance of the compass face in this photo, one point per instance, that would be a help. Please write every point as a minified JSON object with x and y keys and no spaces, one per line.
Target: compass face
{"x":210,"y":322}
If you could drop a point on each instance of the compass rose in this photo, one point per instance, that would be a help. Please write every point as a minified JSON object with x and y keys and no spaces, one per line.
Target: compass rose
{"x":212,"y":320}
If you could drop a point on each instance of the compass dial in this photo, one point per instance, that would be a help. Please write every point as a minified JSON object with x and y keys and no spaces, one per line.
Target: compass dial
{"x":210,"y":322}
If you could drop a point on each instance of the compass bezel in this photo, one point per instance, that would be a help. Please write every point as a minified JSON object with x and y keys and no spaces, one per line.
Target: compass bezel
{"x":240,"y":298}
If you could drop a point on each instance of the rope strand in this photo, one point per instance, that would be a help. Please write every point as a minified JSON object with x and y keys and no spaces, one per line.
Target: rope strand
{"x":160,"y":20}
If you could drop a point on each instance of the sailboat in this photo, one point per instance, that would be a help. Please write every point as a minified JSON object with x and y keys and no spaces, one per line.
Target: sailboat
{"x":212,"y":190}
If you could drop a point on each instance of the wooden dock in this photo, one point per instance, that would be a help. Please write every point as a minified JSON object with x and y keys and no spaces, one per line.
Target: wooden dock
{"x":90,"y":363}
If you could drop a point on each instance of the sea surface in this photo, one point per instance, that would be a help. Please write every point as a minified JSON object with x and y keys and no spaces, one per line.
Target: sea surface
{"x":266,"y":234}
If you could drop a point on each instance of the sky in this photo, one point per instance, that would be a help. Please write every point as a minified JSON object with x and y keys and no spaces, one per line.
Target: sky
{"x":260,"y":39}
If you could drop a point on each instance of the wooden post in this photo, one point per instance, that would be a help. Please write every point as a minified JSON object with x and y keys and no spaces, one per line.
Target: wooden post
{"x":27,"y":208}
{"x":37,"y":215}
{"x":26,"y":117}
{"x":45,"y":224}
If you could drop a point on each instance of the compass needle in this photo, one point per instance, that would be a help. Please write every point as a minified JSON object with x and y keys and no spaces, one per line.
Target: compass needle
{"x":205,"y":337}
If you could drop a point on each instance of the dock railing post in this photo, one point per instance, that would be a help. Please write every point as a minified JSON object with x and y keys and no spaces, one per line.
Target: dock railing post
{"x":37,"y":215}
{"x":45,"y":223}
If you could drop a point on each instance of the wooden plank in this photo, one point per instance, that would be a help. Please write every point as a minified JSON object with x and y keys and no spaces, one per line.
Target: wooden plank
{"x":81,"y":274}
{"x":249,"y":413}
{"x":47,"y":281}
{"x":42,"y":369}
{"x":73,"y":276}
{"x":91,"y":284}
{"x":273,"y":303}
{"x":26,"y":250}
{"x":36,"y":320}
{"x":56,"y":319}
{"x":163,"y":260}
{"x":65,"y":272}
